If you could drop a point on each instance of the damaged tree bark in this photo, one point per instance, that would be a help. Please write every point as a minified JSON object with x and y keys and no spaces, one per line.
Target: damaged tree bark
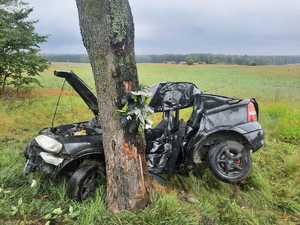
{"x":108,"y":34}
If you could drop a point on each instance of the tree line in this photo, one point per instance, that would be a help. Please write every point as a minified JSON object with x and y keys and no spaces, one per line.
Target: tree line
{"x":191,"y":59}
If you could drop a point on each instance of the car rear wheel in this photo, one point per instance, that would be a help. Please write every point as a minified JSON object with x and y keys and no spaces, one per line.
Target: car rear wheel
{"x":230,"y":161}
{"x":83,"y":182}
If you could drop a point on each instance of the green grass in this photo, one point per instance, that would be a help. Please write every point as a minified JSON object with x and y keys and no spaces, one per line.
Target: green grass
{"x":271,"y":195}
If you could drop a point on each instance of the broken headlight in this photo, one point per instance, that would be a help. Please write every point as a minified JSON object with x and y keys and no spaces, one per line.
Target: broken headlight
{"x":49,"y":144}
{"x":51,"y":159}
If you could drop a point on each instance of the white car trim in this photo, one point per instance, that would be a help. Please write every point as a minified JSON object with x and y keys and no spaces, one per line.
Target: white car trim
{"x":51,"y":159}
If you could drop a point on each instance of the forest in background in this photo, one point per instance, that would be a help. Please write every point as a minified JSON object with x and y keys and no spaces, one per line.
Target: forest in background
{"x":190,"y":59}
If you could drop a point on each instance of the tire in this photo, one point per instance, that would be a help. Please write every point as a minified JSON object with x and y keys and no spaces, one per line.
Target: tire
{"x":230,"y":161}
{"x":83,"y":183}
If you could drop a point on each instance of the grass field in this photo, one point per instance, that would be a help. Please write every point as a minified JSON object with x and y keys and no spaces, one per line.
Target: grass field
{"x":271,"y":195}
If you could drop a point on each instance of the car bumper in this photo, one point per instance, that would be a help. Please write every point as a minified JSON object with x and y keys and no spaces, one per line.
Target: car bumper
{"x":256,"y":139}
{"x":254,"y":133}
{"x":38,"y":160}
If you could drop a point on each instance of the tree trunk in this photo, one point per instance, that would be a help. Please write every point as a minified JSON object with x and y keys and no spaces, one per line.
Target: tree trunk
{"x":108,"y":34}
{"x":3,"y":84}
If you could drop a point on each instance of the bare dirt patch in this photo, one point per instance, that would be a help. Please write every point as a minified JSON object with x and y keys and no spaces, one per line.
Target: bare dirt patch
{"x":36,"y":92}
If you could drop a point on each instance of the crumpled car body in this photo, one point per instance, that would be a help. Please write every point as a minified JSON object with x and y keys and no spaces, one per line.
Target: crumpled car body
{"x":76,"y":142}
{"x":221,"y":131}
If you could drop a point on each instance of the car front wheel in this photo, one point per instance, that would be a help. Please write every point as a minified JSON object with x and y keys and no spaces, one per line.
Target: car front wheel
{"x":83,"y":183}
{"x":230,"y":161}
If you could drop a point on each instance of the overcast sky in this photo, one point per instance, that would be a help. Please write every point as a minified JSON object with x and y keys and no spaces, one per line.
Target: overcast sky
{"x":261,"y":27}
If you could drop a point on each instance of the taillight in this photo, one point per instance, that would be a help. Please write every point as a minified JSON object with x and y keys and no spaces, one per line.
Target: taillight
{"x":252,"y":115}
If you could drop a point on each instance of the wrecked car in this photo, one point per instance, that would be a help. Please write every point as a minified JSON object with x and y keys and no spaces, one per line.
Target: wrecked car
{"x":222,"y":132}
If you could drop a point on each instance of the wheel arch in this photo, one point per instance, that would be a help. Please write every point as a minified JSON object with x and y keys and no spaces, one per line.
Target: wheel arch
{"x":210,"y":139}
{"x":73,"y":163}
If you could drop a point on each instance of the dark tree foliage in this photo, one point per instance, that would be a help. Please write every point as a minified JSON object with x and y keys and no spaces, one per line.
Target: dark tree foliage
{"x":196,"y":58}
{"x":190,"y":61}
{"x":220,"y":59}
{"x":20,"y":61}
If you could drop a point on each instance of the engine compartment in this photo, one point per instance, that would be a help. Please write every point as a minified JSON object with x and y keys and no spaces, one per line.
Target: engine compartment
{"x":88,"y":128}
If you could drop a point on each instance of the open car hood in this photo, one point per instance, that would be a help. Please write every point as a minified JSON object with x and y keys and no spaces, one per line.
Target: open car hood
{"x":81,"y":88}
{"x":165,"y":96}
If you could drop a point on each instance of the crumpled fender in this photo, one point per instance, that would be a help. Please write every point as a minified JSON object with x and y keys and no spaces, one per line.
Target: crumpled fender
{"x":252,"y":133}
{"x":90,"y":154}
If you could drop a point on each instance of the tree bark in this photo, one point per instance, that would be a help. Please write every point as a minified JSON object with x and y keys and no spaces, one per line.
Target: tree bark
{"x":3,"y":84}
{"x":107,"y":30}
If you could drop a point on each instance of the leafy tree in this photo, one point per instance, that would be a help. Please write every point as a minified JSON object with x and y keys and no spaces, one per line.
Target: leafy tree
{"x":20,"y":61}
{"x":190,"y":61}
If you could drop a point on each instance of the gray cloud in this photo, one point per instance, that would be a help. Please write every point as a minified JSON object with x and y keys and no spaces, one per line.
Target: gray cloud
{"x":191,"y":26}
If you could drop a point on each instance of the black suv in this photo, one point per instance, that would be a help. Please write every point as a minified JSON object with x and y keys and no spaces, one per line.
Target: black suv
{"x":222,"y":131}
